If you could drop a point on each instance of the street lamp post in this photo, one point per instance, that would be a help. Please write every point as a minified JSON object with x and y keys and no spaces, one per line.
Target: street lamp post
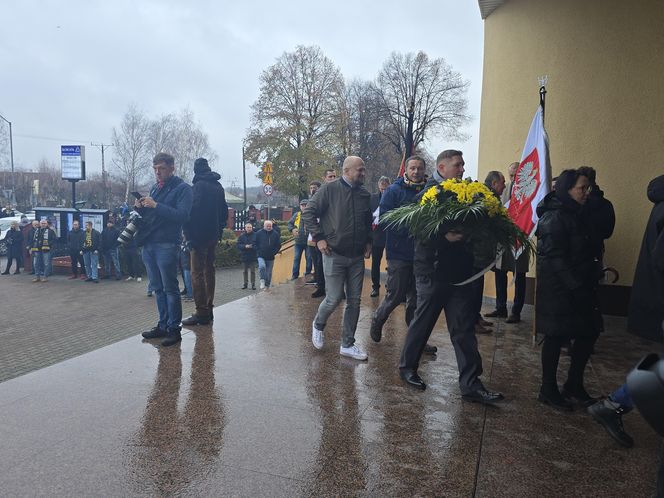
{"x":11,"y":156}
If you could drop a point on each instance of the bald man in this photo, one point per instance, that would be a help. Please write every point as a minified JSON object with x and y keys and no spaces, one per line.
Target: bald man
{"x":339,"y":220}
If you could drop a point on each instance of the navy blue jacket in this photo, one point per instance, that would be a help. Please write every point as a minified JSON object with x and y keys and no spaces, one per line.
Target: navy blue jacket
{"x":247,"y":255}
{"x":268,"y":243}
{"x":164,"y":222}
{"x":209,"y":210}
{"x":399,"y":244}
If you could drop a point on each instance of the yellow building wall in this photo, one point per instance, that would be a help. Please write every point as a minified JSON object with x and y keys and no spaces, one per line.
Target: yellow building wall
{"x":605,"y":100}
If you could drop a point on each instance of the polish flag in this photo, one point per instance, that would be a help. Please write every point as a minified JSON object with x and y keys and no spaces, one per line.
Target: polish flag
{"x":531,"y":182}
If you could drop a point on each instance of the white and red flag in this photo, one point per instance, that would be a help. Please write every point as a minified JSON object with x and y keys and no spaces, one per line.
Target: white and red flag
{"x":531,"y":181}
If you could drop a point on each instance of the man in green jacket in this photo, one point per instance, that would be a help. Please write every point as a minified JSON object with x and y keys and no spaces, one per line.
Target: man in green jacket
{"x":339,"y":220}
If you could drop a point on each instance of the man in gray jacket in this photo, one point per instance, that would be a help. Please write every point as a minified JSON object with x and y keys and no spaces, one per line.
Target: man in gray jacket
{"x":339,"y":219}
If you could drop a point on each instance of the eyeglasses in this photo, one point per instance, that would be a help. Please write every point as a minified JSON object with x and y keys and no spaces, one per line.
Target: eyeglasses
{"x":587,"y":188}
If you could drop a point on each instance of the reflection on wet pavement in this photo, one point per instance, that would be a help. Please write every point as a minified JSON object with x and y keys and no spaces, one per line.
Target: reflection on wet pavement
{"x":249,"y":408}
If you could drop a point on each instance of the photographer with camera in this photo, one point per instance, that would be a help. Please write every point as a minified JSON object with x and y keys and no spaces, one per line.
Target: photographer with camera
{"x":162,"y":214}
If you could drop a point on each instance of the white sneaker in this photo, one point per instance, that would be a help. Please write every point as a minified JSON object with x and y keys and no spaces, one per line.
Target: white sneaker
{"x":139,"y":279}
{"x":129,"y":278}
{"x":262,"y":284}
{"x":353,"y":352}
{"x":317,"y":336}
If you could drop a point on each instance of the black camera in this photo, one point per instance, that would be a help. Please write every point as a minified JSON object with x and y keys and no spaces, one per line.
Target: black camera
{"x":133,"y":224}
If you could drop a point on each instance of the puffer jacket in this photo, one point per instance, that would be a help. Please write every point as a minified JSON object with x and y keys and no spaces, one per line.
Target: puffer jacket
{"x":566,"y":270}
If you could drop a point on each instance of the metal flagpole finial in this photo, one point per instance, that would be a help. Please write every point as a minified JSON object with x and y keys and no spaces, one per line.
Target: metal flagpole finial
{"x":543,"y":80}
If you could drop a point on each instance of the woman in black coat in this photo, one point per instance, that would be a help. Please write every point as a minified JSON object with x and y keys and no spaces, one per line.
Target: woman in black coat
{"x":566,"y":276}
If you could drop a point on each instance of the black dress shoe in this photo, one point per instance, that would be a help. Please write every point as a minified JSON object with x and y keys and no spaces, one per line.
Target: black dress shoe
{"x":482,"y":396}
{"x":412,"y":379}
{"x":244,"y":286}
{"x":430,"y":349}
{"x":374,"y":293}
{"x":195,"y":320}
{"x":376,"y":330}
{"x":318,"y":293}
{"x":497,"y":314}
{"x":154,"y":333}
{"x":513,"y":318}
{"x":5,"y":273}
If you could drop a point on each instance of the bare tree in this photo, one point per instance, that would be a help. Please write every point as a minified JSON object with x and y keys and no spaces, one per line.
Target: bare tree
{"x":295,"y":119}
{"x":435,"y":94}
{"x":181,"y":136}
{"x":131,"y":155}
{"x":363,"y":130}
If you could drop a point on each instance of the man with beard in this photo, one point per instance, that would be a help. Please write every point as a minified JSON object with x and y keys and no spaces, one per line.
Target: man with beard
{"x":207,"y":220}
{"x":400,"y":248}
{"x":439,"y":264}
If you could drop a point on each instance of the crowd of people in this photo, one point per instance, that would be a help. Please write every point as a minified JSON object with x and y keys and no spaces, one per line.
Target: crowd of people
{"x":338,"y":227}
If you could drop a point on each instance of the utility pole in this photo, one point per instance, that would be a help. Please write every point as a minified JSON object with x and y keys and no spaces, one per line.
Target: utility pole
{"x":11,"y":156}
{"x":103,"y":171}
{"x":244,"y":180}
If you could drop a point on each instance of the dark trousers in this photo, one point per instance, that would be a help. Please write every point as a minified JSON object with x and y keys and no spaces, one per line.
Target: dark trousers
{"x":317,"y":259}
{"x":132,"y":262}
{"x":478,"y":294}
{"x":203,"y":278}
{"x":579,"y":355}
{"x":376,"y":258}
{"x":457,"y":301}
{"x":519,"y":291}
{"x":400,"y":286}
{"x":76,"y":259}
{"x":13,"y":256}
{"x":249,"y":267}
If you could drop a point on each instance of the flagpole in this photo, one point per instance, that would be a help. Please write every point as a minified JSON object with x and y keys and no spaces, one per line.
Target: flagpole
{"x":543,"y":80}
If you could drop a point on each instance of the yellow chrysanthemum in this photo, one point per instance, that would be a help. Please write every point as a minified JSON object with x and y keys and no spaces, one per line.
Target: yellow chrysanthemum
{"x":430,"y":196}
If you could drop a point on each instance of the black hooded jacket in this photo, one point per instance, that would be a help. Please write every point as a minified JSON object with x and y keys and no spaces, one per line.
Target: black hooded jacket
{"x":209,"y":210}
{"x":646,"y":306}
{"x":566,"y":269}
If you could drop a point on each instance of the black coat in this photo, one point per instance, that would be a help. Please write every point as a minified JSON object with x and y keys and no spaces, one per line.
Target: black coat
{"x":247,"y":254}
{"x":75,"y":239}
{"x":209,"y":210}
{"x":567,"y":273}
{"x":601,"y":219}
{"x":14,"y":241}
{"x":267,"y":243}
{"x":95,"y":238}
{"x":646,"y":306}
{"x":109,"y":238}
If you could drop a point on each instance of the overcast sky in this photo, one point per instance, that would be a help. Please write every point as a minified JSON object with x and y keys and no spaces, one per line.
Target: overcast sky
{"x":70,"y":69}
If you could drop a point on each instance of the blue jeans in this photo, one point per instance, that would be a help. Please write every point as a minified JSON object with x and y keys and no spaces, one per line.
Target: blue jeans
{"x":265,"y":270}
{"x":187,"y":282}
{"x":342,"y":272}
{"x":299,"y":250}
{"x":112,"y":255}
{"x":161,"y":262}
{"x":41,"y":262}
{"x":623,"y":398}
{"x":91,"y":262}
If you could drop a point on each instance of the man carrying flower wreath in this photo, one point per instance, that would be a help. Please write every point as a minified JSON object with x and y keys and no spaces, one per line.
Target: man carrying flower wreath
{"x":443,"y":258}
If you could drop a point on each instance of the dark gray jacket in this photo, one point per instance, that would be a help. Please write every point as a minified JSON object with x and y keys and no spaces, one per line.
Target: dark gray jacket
{"x":341,"y":215}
